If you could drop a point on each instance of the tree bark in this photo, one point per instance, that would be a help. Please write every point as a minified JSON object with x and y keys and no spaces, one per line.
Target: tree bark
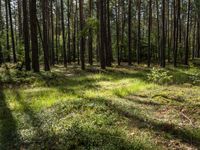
{"x":26,"y":36}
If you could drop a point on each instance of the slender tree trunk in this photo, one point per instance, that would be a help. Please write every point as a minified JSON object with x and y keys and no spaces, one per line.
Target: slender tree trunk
{"x":102,"y":34}
{"x":7,"y":32}
{"x":34,"y":33}
{"x":52,"y":36}
{"x":163,"y":35}
{"x":129,"y":32}
{"x":158,"y":30}
{"x":90,"y":37}
{"x":105,"y":34}
{"x":1,"y":31}
{"x":20,"y":26}
{"x":98,"y":33}
{"x":109,"y":35}
{"x":82,"y":39}
{"x":175,"y":35}
{"x":45,"y":34}
{"x":26,"y":36}
{"x":69,"y":32}
{"x":139,"y":32}
{"x":63,"y":33}
{"x":187,"y":35}
{"x":74,"y":33}
{"x":12,"y":32}
{"x":149,"y":34}
{"x":117,"y":33}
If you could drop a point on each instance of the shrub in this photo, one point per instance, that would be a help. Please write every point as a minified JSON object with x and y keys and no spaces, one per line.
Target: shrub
{"x":160,"y":76}
{"x":195,"y":78}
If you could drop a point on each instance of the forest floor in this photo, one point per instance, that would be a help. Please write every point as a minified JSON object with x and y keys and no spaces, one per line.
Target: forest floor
{"x":114,"y":109}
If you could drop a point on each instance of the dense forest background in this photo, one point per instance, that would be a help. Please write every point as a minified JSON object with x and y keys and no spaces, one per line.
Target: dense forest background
{"x":86,"y":32}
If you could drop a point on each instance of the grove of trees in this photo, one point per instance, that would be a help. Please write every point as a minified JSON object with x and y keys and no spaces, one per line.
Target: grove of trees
{"x":48,"y":32}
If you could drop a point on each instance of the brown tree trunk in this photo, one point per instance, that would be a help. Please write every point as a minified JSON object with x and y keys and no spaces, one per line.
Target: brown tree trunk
{"x":12,"y":32}
{"x":26,"y":36}
{"x":82,"y":38}
{"x":63,"y":33}
{"x":149,"y":34}
{"x":187,"y":35}
{"x":34,"y":33}
{"x":163,"y":47}
{"x":45,"y":34}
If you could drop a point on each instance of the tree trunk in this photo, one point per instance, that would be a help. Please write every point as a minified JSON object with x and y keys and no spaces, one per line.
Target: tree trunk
{"x":129,"y":32}
{"x":63,"y":33}
{"x":82,"y":38}
{"x":102,"y":34}
{"x":12,"y":32}
{"x":34,"y":33}
{"x":163,"y":36}
{"x":149,"y":34}
{"x":69,"y":32}
{"x":90,"y":37}
{"x":52,"y":36}
{"x":20,"y":26}
{"x":187,"y":35}
{"x":45,"y":34}
{"x":26,"y":36}
{"x":139,"y":32}
{"x":109,"y":36}
{"x":1,"y":32}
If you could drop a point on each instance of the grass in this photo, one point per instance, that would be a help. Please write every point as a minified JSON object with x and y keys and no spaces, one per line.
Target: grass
{"x":114,"y":109}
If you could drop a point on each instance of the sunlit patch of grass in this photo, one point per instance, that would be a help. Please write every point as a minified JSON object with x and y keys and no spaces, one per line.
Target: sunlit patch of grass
{"x":127,"y":87}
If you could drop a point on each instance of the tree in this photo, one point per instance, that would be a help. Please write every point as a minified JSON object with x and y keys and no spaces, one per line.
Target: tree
{"x":187,"y":35}
{"x":82,"y":39}
{"x":1,"y":32}
{"x":69,"y":32}
{"x":149,"y":34}
{"x":63,"y":33}
{"x":90,"y":36}
{"x":7,"y":32}
{"x":45,"y":34}
{"x":26,"y":36}
{"x":34,"y":33}
{"x":139,"y":32}
{"x":163,"y":36}
{"x":102,"y":34}
{"x":110,"y":54}
{"x":129,"y":32}
{"x":52,"y":35}
{"x":12,"y":32}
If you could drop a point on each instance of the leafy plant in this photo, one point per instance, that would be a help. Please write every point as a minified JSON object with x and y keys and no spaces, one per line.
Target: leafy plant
{"x":160,"y":76}
{"x":195,"y":78}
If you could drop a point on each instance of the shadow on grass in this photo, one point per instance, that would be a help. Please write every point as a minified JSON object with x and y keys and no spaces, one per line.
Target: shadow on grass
{"x":9,"y":138}
{"x":141,"y":121}
{"x":32,"y":118}
{"x":80,"y":137}
{"x":142,"y":102}
{"x":74,"y":137}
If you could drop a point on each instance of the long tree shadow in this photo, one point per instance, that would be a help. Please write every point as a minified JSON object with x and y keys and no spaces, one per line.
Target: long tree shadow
{"x":9,"y":137}
{"x":188,"y":136}
{"x":33,"y":119}
{"x":146,"y":102}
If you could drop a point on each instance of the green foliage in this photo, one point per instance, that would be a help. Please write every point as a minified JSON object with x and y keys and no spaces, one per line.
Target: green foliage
{"x":91,"y":23}
{"x":160,"y":76}
{"x":195,"y":78}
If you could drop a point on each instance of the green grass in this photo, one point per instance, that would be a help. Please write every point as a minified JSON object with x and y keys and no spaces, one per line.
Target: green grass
{"x":94,"y":109}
